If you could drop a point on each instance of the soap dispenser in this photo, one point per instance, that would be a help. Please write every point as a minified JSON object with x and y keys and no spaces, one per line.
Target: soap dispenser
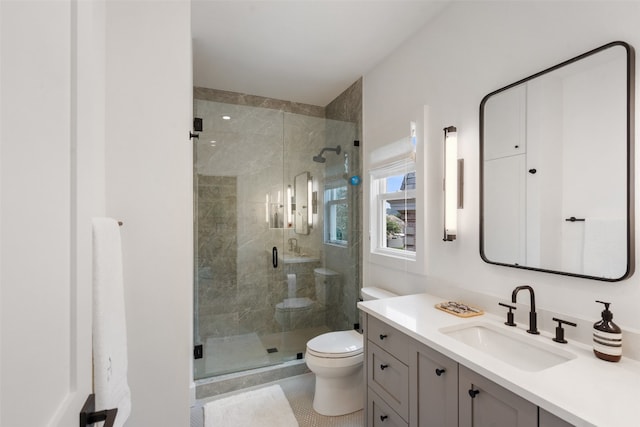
{"x":607,"y":337}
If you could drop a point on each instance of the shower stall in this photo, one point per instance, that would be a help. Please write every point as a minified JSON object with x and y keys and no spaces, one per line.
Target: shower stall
{"x":277,"y":231}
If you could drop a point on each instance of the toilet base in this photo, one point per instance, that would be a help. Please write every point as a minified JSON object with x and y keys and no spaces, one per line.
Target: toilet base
{"x":336,"y":396}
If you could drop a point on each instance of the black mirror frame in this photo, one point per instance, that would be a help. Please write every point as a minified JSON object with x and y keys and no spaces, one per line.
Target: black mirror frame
{"x":630,"y":162}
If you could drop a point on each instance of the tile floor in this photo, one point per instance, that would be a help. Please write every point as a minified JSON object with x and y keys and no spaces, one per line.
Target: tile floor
{"x":299,"y":392}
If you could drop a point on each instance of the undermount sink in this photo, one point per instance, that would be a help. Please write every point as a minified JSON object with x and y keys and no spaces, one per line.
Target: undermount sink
{"x":518,"y":350}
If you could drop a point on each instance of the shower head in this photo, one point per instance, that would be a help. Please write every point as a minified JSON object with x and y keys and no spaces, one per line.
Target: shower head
{"x":320,"y":159}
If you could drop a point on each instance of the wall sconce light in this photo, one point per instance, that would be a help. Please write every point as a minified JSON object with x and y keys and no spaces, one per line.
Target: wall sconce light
{"x":453,"y":180}
{"x":314,"y":202}
{"x":289,"y":207}
{"x":310,"y":202}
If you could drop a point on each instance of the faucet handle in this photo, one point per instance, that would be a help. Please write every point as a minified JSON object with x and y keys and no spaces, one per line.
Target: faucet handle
{"x":509,"y":321}
{"x":560,"y":331}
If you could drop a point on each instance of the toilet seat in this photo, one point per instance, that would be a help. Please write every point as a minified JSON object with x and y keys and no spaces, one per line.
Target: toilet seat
{"x":336,"y":345}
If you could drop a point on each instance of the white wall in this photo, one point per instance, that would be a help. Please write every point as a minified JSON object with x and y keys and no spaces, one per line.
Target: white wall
{"x":469,"y":50}
{"x":149,"y":187}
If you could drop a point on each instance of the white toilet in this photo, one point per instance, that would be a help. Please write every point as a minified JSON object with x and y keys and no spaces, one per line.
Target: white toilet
{"x":327,"y":283}
{"x":293,"y":312}
{"x":336,"y":358}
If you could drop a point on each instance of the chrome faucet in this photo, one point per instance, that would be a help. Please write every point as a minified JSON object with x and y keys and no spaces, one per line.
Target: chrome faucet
{"x":533,"y":316}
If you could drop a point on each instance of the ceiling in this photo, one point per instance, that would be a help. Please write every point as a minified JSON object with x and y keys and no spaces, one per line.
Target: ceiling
{"x":306,"y":51}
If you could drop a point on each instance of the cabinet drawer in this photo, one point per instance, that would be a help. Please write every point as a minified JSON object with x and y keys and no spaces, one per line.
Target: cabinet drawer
{"x":388,"y":338}
{"x":380,"y":414}
{"x":389,"y":378}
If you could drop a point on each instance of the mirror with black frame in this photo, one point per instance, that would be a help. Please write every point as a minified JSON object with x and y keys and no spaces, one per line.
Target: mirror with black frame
{"x":303,"y":208}
{"x":556,"y":162}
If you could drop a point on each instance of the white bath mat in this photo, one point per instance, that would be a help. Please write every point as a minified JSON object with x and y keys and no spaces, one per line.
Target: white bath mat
{"x":265,"y":407}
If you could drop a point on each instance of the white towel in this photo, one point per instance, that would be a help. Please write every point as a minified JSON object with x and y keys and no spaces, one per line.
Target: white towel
{"x":109,"y":328}
{"x":605,"y":248}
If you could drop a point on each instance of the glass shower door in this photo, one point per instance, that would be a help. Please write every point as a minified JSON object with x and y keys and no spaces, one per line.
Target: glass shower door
{"x":277,"y":234}
{"x":240,"y":206}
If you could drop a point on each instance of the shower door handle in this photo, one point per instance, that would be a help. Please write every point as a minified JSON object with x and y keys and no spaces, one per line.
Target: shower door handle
{"x":274,"y":257}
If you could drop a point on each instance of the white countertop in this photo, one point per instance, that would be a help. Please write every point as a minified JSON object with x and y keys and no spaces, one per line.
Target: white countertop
{"x":584,"y":391}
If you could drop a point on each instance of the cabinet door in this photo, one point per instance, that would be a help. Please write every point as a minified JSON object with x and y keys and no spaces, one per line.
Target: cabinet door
{"x":483,"y":403}
{"x":435,"y":392}
{"x":547,"y":419}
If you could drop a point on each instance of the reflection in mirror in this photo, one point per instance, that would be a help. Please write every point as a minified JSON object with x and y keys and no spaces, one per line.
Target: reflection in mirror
{"x":556,"y":159}
{"x":302,"y":195}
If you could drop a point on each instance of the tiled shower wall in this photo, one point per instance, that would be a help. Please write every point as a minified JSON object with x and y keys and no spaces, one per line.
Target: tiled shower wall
{"x":217,"y":252}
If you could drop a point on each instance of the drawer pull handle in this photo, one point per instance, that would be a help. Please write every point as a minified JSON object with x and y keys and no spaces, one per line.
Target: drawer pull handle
{"x":383,"y":417}
{"x":473,"y":393}
{"x":383,"y":336}
{"x":383,"y":366}
{"x":439,"y":371}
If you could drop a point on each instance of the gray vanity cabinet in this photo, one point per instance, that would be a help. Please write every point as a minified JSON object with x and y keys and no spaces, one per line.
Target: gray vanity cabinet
{"x":484,"y":403}
{"x":434,"y":377}
{"x":411,"y":384}
{"x":549,"y":420}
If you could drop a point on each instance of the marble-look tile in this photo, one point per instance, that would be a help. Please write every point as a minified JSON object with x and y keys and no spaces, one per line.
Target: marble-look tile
{"x":218,"y":325}
{"x":227,"y":97}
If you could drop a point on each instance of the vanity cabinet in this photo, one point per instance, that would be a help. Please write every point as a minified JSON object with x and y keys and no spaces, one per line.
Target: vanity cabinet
{"x":434,"y":377}
{"x":547,"y":419}
{"x":411,"y":384}
{"x":483,"y":403}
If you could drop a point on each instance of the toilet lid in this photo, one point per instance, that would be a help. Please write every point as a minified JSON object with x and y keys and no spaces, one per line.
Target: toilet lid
{"x":336,"y":344}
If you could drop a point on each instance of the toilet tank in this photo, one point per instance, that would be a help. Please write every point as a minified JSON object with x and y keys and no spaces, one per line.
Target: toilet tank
{"x":326,"y":281}
{"x":371,"y":293}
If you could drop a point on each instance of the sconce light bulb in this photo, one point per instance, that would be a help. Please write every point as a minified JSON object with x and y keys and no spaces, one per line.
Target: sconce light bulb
{"x":450,"y":183}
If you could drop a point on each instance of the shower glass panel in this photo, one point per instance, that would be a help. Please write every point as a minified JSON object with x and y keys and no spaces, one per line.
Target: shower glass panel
{"x":251,"y":311}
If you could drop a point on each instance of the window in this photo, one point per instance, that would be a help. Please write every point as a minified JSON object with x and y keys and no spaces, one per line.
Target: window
{"x":395,"y":204}
{"x":336,"y":214}
{"x":393,"y":215}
